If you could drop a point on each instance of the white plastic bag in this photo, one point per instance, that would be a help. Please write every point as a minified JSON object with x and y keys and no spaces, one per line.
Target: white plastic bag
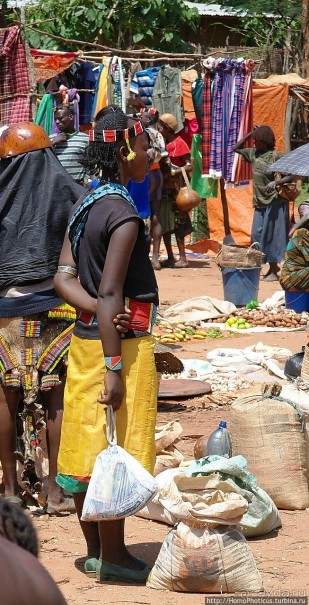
{"x":119,"y":485}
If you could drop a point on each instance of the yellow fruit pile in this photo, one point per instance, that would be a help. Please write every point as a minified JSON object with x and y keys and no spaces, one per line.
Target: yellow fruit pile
{"x":171,"y":333}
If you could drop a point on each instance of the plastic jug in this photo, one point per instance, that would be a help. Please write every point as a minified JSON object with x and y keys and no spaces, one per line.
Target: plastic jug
{"x":219,"y":442}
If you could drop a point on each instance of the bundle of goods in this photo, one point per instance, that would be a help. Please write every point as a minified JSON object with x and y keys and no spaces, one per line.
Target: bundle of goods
{"x":271,"y":318}
{"x":235,"y":256}
{"x":268,"y":430}
{"x":298,"y":392}
{"x":205,"y":552}
{"x":262,"y":516}
{"x":167,"y":455}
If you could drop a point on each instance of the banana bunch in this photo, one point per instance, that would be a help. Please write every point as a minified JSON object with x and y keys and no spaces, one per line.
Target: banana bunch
{"x":171,"y":333}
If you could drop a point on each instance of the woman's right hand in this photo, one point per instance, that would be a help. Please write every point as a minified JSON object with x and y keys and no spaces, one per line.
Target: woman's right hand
{"x":113,"y":392}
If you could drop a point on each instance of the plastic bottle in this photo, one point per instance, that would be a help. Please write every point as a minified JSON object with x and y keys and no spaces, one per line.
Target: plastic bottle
{"x":219,"y":442}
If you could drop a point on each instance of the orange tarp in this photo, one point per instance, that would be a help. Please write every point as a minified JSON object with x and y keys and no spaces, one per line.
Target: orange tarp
{"x":240,"y":219}
{"x":269,"y":107}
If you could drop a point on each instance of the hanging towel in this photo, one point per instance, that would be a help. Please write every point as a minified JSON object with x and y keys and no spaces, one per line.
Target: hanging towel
{"x":45,"y":113}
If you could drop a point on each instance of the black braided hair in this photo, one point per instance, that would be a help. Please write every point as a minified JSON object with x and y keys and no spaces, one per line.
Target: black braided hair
{"x":103,"y":156}
{"x":17,"y":527}
{"x":267,"y":135}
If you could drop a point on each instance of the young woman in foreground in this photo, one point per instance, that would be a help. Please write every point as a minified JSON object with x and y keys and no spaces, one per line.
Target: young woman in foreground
{"x":107,"y":248}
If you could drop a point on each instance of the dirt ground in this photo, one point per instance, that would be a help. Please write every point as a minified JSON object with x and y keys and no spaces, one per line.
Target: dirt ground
{"x":282,"y":557}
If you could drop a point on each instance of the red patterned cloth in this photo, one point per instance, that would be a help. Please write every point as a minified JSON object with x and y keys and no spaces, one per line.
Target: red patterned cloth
{"x":206,"y":123}
{"x":15,"y":104}
{"x":48,"y":63}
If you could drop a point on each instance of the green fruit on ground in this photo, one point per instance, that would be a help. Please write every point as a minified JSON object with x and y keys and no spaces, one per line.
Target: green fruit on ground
{"x":231,"y":321}
{"x":247,"y":326}
{"x":241,"y":321}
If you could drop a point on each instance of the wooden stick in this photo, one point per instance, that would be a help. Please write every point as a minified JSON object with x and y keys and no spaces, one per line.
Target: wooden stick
{"x":140,"y":59}
{"x":225,"y":208}
{"x":30,"y":66}
{"x":117,"y":51}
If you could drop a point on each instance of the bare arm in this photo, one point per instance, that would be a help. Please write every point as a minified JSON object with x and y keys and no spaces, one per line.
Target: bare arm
{"x":187,"y":167}
{"x":110,"y":303}
{"x":68,"y":286}
{"x":240,"y":144}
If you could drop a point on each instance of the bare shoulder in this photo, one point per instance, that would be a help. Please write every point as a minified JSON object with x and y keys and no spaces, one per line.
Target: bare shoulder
{"x":24,"y":580}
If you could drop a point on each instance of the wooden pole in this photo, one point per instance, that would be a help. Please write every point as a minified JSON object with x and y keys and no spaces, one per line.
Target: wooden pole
{"x":226,"y":219}
{"x":31,"y":71}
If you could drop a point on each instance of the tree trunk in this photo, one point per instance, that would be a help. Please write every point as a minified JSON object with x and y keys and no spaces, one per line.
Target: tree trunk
{"x":305,"y":36}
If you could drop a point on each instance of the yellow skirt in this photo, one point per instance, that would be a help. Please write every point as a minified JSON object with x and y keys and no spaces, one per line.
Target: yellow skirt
{"x":83,"y":434}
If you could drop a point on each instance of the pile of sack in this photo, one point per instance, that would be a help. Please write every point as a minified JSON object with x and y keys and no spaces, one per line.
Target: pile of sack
{"x":205,"y":551}
{"x":167,"y":454}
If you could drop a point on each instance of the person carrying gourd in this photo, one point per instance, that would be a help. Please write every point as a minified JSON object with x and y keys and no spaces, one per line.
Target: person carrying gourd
{"x":174,"y":220}
{"x":270,"y":227}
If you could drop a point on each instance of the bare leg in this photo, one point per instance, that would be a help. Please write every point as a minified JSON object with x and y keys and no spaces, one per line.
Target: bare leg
{"x":53,"y":405}
{"x":167,"y":238}
{"x":182,"y":252}
{"x":113,"y":549}
{"x":9,"y":399}
{"x":156,"y":233}
{"x":89,"y":529}
{"x":272,"y":273}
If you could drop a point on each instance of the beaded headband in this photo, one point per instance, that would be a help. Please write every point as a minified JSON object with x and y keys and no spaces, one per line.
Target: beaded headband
{"x":111,"y":136}
{"x":151,"y":110}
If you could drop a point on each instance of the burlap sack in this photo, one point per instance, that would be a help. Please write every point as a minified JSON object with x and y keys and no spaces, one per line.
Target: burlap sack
{"x":167,"y":434}
{"x":269,"y":432}
{"x":205,"y":560}
{"x":169,"y":458}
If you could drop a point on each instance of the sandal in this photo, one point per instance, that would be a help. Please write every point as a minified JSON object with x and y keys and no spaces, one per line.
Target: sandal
{"x":270,"y":277}
{"x":181,"y":264}
{"x":111,"y":571}
{"x":90,"y":566}
{"x":156,"y":265}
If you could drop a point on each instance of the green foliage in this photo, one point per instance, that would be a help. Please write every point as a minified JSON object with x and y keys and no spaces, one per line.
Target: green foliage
{"x":122,"y":23}
{"x":269,"y":23}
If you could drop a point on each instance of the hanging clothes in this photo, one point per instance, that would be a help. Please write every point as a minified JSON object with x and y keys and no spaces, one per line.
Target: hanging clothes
{"x":197,"y":96}
{"x":167,"y":93}
{"x":15,"y":102}
{"x":85,"y":79}
{"x":226,"y":113}
{"x":206,"y":120}
{"x":45,"y":113}
{"x":188,"y":77}
{"x":116,"y":84}
{"x":101,"y":97}
{"x":134,"y":67}
{"x":143,"y":83}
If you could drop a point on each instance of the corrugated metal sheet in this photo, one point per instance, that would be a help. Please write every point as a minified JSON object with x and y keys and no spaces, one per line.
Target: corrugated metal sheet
{"x":214,"y":10}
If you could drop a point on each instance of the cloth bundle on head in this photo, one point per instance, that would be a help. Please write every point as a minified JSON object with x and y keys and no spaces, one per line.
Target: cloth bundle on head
{"x":70,"y":98}
{"x":29,"y":250}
